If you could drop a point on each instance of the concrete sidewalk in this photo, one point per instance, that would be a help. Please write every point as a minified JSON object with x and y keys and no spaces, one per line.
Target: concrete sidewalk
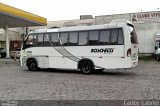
{"x":8,"y":60}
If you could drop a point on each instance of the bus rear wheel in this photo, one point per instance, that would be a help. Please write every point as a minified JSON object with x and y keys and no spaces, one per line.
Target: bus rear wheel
{"x":32,"y":65}
{"x":86,"y":67}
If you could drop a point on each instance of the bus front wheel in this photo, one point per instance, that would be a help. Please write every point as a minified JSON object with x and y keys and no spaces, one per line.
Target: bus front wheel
{"x":86,"y":67}
{"x":32,"y":65}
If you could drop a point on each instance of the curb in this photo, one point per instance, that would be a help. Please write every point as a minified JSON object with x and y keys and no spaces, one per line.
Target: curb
{"x":9,"y":61}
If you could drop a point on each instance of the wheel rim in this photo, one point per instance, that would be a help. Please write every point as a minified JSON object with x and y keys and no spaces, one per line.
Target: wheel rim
{"x":33,"y":66}
{"x":86,"y":68}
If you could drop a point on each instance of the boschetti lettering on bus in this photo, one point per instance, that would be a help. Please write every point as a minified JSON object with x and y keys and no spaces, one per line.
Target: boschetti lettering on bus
{"x":102,"y":50}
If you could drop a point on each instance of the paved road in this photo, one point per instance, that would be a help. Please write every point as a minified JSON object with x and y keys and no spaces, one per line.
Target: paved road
{"x":142,"y":82}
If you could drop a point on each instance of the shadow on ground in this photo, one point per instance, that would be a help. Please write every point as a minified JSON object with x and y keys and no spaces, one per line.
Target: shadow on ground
{"x":121,"y":73}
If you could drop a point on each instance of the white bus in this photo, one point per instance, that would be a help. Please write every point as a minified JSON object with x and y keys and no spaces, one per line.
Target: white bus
{"x":108,"y":46}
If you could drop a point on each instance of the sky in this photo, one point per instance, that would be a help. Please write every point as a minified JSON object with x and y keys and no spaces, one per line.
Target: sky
{"x":55,"y":10}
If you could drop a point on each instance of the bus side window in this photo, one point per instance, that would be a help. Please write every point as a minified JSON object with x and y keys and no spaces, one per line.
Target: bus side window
{"x":34,"y":39}
{"x":83,"y":38}
{"x":93,"y":37}
{"x":64,"y":38}
{"x":40,"y":40}
{"x":120,"y":37}
{"x":73,"y":38}
{"x":54,"y":39}
{"x":46,"y":40}
{"x":114,"y":36}
{"x":104,"y":37}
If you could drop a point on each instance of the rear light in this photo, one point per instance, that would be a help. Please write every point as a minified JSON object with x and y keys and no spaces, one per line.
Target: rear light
{"x":129,"y":52}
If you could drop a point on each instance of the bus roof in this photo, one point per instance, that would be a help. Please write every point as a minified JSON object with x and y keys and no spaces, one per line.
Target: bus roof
{"x":80,"y":28}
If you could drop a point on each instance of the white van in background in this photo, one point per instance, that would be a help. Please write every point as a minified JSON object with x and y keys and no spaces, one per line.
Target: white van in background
{"x":157,"y":46}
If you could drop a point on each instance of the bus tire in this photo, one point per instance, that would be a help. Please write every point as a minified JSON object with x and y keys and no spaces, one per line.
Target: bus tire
{"x":32,"y":65}
{"x":86,"y":67}
{"x":158,"y":58}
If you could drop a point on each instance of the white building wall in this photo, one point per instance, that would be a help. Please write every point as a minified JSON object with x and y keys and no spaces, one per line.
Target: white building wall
{"x":109,"y":18}
{"x":146,"y":36}
{"x":14,"y":34}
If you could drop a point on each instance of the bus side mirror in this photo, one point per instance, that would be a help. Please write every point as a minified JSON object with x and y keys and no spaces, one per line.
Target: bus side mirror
{"x":156,"y":48}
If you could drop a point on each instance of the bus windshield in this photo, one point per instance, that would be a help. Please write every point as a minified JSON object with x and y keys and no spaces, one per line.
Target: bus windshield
{"x":29,"y":41}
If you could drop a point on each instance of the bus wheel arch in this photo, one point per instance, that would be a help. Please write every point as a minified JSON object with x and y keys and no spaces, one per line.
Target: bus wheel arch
{"x":86,"y":66}
{"x":32,"y":64}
